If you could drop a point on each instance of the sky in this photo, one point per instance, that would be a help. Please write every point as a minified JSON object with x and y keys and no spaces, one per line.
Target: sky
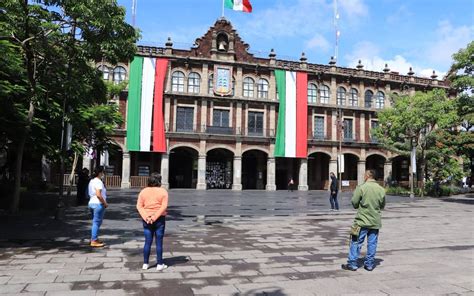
{"x":422,"y":34}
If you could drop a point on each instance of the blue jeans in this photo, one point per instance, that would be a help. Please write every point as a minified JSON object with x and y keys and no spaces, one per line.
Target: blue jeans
{"x":156,"y":229}
{"x":333,"y":201}
{"x":97,"y":211}
{"x":356,"y":244}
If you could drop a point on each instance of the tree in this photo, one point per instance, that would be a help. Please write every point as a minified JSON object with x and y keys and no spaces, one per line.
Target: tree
{"x":57,"y":40}
{"x":461,"y":76}
{"x":413,"y":120}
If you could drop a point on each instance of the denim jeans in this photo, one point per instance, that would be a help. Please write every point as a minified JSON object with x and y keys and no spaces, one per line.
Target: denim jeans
{"x":97,"y":211}
{"x":333,"y":201}
{"x":356,"y":244}
{"x":156,"y":229}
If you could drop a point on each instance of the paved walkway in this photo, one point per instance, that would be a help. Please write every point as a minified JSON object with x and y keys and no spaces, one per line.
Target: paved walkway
{"x":248,"y":243}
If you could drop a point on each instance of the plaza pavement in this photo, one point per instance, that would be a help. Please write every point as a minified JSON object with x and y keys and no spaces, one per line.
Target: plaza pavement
{"x":243,"y":243}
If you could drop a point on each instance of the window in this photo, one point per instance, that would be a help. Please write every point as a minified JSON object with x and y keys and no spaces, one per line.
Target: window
{"x":341,"y":96}
{"x":353,"y":97}
{"x":105,"y":71}
{"x":379,"y":100}
{"x":262,"y":88}
{"x":177,"y":81}
{"x":324,"y":94}
{"x":348,"y":134}
{"x":210,"y":84}
{"x":312,"y":93}
{"x":248,"y":87}
{"x":373,"y":125}
{"x":119,"y":74}
{"x":184,"y":119}
{"x":194,"y":80}
{"x":220,"y":118}
{"x":319,"y":127}
{"x":255,"y":124}
{"x":368,"y":99}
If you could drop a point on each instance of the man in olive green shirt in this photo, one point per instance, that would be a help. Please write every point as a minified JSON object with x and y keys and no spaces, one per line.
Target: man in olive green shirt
{"x":369,"y":200}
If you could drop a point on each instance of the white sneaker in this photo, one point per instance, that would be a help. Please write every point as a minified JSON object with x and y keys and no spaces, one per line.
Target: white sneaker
{"x":160,"y":267}
{"x":145,"y":266}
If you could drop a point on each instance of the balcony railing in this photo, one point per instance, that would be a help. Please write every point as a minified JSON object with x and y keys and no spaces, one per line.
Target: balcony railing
{"x":320,"y":137}
{"x":220,"y":130}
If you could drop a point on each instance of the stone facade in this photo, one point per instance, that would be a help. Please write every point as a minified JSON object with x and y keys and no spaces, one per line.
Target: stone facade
{"x":244,"y":149}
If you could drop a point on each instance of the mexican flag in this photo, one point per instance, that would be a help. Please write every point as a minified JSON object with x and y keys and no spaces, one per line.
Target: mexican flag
{"x":239,"y":5}
{"x":292,"y":128}
{"x":145,"y":105}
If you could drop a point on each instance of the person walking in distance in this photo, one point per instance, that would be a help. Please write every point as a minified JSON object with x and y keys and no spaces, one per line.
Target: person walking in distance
{"x":333,"y":196}
{"x":291,"y":183}
{"x":152,"y":204}
{"x":97,"y":204}
{"x":369,"y":200}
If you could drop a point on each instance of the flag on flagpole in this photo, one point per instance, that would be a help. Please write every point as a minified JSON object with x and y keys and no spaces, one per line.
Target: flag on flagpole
{"x":238,"y":5}
{"x":145,"y":104}
{"x":292,"y":129}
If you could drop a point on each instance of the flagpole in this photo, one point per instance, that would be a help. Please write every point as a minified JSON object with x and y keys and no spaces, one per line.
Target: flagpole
{"x":223,"y":8}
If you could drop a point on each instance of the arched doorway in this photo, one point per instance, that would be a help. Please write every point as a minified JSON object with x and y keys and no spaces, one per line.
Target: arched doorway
{"x":183,"y":167}
{"x":376,"y":162}
{"x":219,"y":169}
{"x":350,"y":167}
{"x":254,"y":169}
{"x":286,"y":169}
{"x":318,"y":171}
{"x":400,"y":169}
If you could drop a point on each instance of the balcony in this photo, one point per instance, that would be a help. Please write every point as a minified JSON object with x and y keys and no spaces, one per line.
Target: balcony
{"x":219,"y":130}
{"x":320,"y":137}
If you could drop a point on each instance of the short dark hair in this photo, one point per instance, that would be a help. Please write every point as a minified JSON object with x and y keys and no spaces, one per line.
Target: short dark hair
{"x":154,"y":180}
{"x":99,"y":169}
{"x":370,"y":173}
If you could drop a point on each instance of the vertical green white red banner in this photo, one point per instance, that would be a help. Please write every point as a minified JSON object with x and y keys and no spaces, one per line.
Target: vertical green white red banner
{"x":292,"y":128}
{"x":145,"y":118}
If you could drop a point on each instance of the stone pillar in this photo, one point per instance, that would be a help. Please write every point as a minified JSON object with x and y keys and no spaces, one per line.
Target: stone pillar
{"x":303,"y":175}
{"x":165,"y":160}
{"x":360,"y":171}
{"x":238,"y":119}
{"x":125,"y":170}
{"x":362,"y":127}
{"x":333,"y":90}
{"x":237,"y":175}
{"x":238,"y":82}
{"x":387,"y":172}
{"x":271,"y":174}
{"x":201,"y":181}
{"x":272,"y":87}
{"x":204,"y":90}
{"x":334,"y":136}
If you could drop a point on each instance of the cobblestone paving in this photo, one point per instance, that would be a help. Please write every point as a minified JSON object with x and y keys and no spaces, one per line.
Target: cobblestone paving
{"x":249,"y":243}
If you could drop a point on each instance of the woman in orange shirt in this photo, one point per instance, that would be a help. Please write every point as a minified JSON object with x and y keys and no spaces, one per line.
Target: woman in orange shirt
{"x":152,"y":203}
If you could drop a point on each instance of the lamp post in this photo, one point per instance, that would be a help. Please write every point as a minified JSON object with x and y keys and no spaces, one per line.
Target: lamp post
{"x":340,"y":125}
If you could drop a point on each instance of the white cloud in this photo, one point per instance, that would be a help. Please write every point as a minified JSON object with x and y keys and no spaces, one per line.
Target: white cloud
{"x":399,"y":15}
{"x":354,"y":8}
{"x":318,"y":42}
{"x":449,"y":40}
{"x":369,"y":54}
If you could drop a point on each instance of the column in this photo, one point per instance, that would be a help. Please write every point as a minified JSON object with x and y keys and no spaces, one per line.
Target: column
{"x":272,"y":87}
{"x":334,"y":136}
{"x":165,"y":160}
{"x":271,"y":174}
{"x":86,"y":161}
{"x":125,"y":170}
{"x":201,"y":182}
{"x":387,"y":173}
{"x":360,"y":171}
{"x":333,"y":89}
{"x":204,"y":90}
{"x":362,"y":127}
{"x":303,"y":175}
{"x":237,"y":175}
{"x":238,"y":83}
{"x":238,"y":119}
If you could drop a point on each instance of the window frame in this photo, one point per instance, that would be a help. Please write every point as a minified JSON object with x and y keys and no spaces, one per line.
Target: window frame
{"x":341,"y":96}
{"x":176,"y":86}
{"x":250,"y":92}
{"x":368,"y":103}
{"x":324,"y":93}
{"x":379,"y":100}
{"x":319,"y":135}
{"x":262,"y":88}
{"x":313,"y":92}
{"x":194,"y":87}
{"x":256,"y":130}
{"x":353,"y":100}
{"x":120,"y":70}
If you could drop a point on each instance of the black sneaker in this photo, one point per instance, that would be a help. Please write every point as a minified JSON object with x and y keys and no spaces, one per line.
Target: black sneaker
{"x":368,"y":268}
{"x":348,"y":267}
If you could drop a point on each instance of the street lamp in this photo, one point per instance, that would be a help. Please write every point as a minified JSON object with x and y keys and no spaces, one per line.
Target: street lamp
{"x":340,"y":125}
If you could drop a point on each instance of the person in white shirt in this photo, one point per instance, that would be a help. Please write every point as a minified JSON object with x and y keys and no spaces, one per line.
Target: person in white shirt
{"x":97,"y":204}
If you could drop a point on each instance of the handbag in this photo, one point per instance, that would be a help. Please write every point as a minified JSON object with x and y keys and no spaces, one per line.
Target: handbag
{"x":355,"y":230}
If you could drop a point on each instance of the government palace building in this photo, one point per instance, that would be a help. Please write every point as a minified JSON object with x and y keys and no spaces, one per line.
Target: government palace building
{"x":208,"y":118}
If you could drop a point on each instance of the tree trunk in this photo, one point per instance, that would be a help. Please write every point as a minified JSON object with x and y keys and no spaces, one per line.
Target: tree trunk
{"x":14,"y":206}
{"x":422,"y":172}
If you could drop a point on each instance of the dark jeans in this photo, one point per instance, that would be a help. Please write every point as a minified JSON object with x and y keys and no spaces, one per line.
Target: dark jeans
{"x":333,"y":201}
{"x":156,"y":229}
{"x":356,"y":244}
